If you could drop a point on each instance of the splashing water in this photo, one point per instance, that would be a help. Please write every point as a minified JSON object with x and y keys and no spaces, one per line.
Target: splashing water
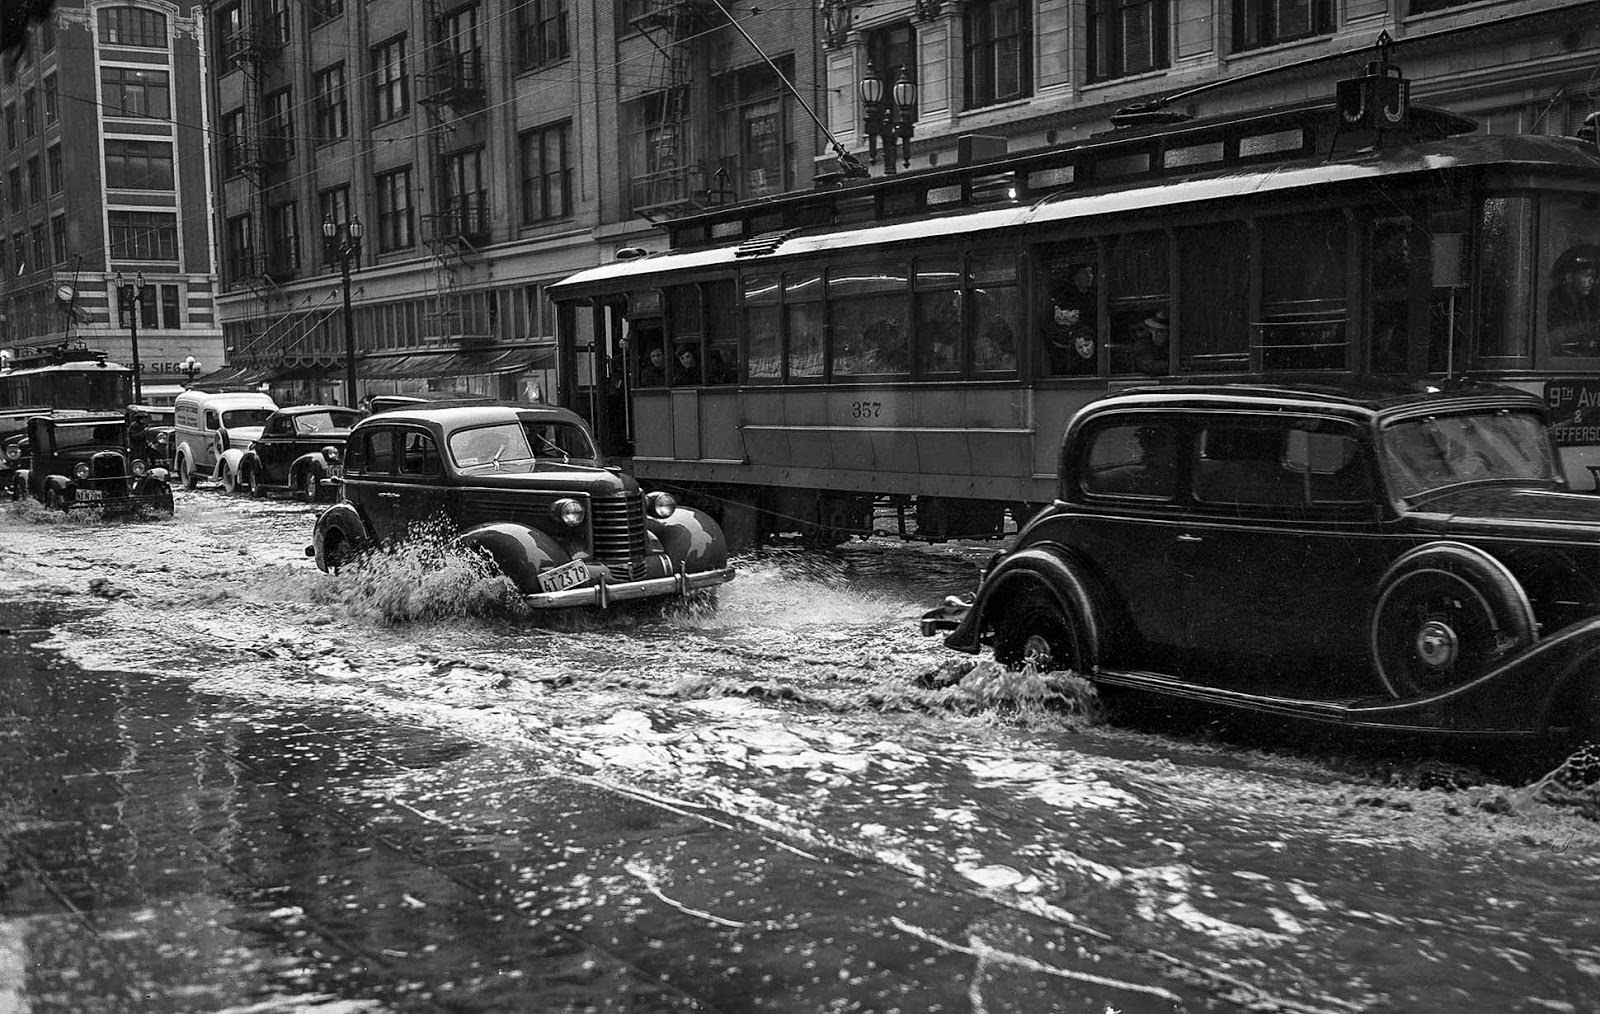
{"x":427,"y":577}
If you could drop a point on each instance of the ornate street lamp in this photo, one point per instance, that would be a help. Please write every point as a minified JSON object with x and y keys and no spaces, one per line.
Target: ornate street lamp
{"x":131,"y":299}
{"x":343,"y":243}
{"x":190,"y":367}
{"x":890,"y":120}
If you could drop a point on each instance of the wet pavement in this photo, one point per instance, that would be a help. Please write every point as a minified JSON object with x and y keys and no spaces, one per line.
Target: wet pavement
{"x":231,"y":783}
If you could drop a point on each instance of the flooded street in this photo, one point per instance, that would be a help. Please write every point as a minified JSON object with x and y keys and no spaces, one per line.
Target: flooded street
{"x":235,"y":784}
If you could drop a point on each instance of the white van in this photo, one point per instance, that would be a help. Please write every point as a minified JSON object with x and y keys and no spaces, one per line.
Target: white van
{"x":211,"y":432}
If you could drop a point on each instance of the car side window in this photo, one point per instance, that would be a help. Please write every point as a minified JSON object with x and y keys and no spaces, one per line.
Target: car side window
{"x":419,"y":455}
{"x":1335,"y":469}
{"x":213,"y":421}
{"x":281,"y":426}
{"x":1288,"y":463}
{"x":378,"y":452}
{"x":1133,"y":459}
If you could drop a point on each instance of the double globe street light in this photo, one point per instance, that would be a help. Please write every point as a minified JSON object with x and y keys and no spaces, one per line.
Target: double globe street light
{"x":343,"y":243}
{"x":891,"y":120}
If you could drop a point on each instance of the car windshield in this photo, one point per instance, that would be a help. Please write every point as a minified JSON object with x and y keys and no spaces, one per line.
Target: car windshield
{"x":561,"y":441}
{"x":101,"y":435}
{"x":1422,"y":455}
{"x":500,"y":447}
{"x":320,"y":422}
{"x":245,"y":417}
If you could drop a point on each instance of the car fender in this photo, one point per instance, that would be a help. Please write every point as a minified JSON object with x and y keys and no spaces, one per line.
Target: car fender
{"x":230,"y":460}
{"x":59,"y":483}
{"x":344,"y":519}
{"x":1053,"y":568}
{"x":520,"y":551}
{"x":150,"y":484}
{"x":183,"y":452}
{"x":248,"y":462}
{"x":312,"y":461}
{"x":692,"y":539}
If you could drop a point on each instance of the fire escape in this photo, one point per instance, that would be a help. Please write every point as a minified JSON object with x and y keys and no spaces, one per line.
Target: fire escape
{"x":451,"y":90}
{"x":669,"y":182}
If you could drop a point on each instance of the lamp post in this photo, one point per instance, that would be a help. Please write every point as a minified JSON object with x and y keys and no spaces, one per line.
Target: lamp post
{"x":131,"y":298}
{"x":343,"y":243}
{"x":190,"y":366}
{"x":890,"y":114}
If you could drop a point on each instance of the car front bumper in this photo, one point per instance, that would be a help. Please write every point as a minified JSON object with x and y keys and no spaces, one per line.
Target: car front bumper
{"x":605,"y":593}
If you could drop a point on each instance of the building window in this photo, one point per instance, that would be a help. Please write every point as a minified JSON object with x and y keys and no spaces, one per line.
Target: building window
{"x":19,"y":252}
{"x":15,"y":177}
{"x":753,"y":124}
{"x":138,"y":165}
{"x":53,"y":170}
{"x":998,"y":46}
{"x":35,"y":182}
{"x":229,"y":23}
{"x":47,"y":34}
{"x":30,"y":112}
{"x":127,"y":91}
{"x":143,"y":235}
{"x":394,"y":210}
{"x":332,"y":115}
{"x":133,"y":26}
{"x":241,"y":248}
{"x":58,"y":238}
{"x":283,"y":240}
{"x":464,"y":199}
{"x":1127,"y":37}
{"x":171,"y":306}
{"x":892,"y":50}
{"x":232,"y":142}
{"x":546,"y":173}
{"x":324,"y":11}
{"x":1258,"y":23}
{"x":41,"y":247}
{"x":333,"y":206}
{"x":277,"y":126}
{"x":278,"y":21}
{"x":391,"y":96}
{"x":11,"y":126}
{"x":542,"y":31}
{"x":52,"y":99}
{"x":656,"y":136}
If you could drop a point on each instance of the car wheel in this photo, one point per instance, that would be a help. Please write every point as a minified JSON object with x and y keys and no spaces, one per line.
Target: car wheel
{"x":190,"y":481}
{"x":309,"y":485}
{"x":252,"y":482}
{"x":230,"y":479}
{"x":1033,"y":630}
{"x":1445,"y":615}
{"x":54,"y":500}
{"x":340,"y":550}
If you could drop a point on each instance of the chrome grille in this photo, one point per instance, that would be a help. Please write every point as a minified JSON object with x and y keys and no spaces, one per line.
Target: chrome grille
{"x":618,"y":526}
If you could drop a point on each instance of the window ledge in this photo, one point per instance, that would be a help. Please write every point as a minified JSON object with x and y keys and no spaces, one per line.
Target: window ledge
{"x":1278,"y":47}
{"x":1019,"y":103}
{"x":1112,"y":82}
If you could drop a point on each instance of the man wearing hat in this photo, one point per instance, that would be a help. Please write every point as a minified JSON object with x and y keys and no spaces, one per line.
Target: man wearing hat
{"x":1151,"y":354}
{"x":1070,"y":328}
{"x":1574,"y":307}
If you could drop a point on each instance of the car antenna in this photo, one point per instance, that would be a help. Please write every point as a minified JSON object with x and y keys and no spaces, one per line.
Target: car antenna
{"x":848,"y":163}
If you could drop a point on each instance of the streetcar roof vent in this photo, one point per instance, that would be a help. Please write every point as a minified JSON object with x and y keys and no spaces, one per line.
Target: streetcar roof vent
{"x":766,"y":243}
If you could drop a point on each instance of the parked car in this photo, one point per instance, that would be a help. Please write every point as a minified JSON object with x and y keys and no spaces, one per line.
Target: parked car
{"x":527,"y":487}
{"x":424,"y":399}
{"x":212,"y":430}
{"x":299,"y":448}
{"x":82,"y":461}
{"x":14,"y":450}
{"x":1372,"y":555}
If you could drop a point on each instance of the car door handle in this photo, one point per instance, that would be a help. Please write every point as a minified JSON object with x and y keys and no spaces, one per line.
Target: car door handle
{"x":390,"y":496}
{"x":1186,"y":537}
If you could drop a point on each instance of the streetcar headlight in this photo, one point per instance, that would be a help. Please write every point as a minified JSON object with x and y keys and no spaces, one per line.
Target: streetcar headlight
{"x":567,"y":511}
{"x":661,"y":505}
{"x":136,"y":466}
{"x":81,"y":472}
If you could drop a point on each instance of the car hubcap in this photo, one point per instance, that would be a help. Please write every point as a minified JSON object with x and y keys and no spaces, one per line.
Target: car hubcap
{"x":1437,"y":644}
{"x":1036,"y":649}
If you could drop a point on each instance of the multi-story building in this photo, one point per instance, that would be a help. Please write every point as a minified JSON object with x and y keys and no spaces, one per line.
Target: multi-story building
{"x":103,"y":174}
{"x":486,"y":149}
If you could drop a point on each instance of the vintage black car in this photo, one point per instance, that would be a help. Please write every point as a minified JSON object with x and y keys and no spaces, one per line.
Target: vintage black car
{"x":527,"y":487}
{"x":299,"y":449}
{"x":14,"y":450}
{"x":1376,"y":555}
{"x":83,"y":461}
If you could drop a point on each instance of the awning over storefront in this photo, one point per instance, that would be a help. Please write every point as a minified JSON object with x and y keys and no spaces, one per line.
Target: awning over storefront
{"x":488,"y":362}
{"x":235,"y":377}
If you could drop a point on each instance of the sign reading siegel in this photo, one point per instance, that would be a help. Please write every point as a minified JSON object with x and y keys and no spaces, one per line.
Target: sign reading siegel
{"x":1574,"y":411}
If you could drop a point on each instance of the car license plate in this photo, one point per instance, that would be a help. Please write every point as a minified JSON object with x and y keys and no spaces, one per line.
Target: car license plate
{"x":85,"y":495}
{"x":568,"y":575}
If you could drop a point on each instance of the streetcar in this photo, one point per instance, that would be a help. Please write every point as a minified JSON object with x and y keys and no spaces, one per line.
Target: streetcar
{"x":65,"y":378}
{"x":921,"y":340}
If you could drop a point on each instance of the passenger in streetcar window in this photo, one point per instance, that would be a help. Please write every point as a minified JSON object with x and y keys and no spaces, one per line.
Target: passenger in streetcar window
{"x":687,"y":369}
{"x":653,"y":373}
{"x":720,"y":368}
{"x":1151,"y":345}
{"x":1071,"y":329}
{"x":1574,"y":310}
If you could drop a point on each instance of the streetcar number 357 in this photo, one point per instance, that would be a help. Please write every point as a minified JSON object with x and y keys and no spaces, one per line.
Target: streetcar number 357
{"x":866,"y":409}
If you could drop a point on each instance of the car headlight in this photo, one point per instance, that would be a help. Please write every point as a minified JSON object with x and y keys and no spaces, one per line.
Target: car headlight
{"x":81,"y":472}
{"x":332,"y":454}
{"x":136,"y":466}
{"x":661,"y":505}
{"x":568,"y":511}
{"x":13,"y":452}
